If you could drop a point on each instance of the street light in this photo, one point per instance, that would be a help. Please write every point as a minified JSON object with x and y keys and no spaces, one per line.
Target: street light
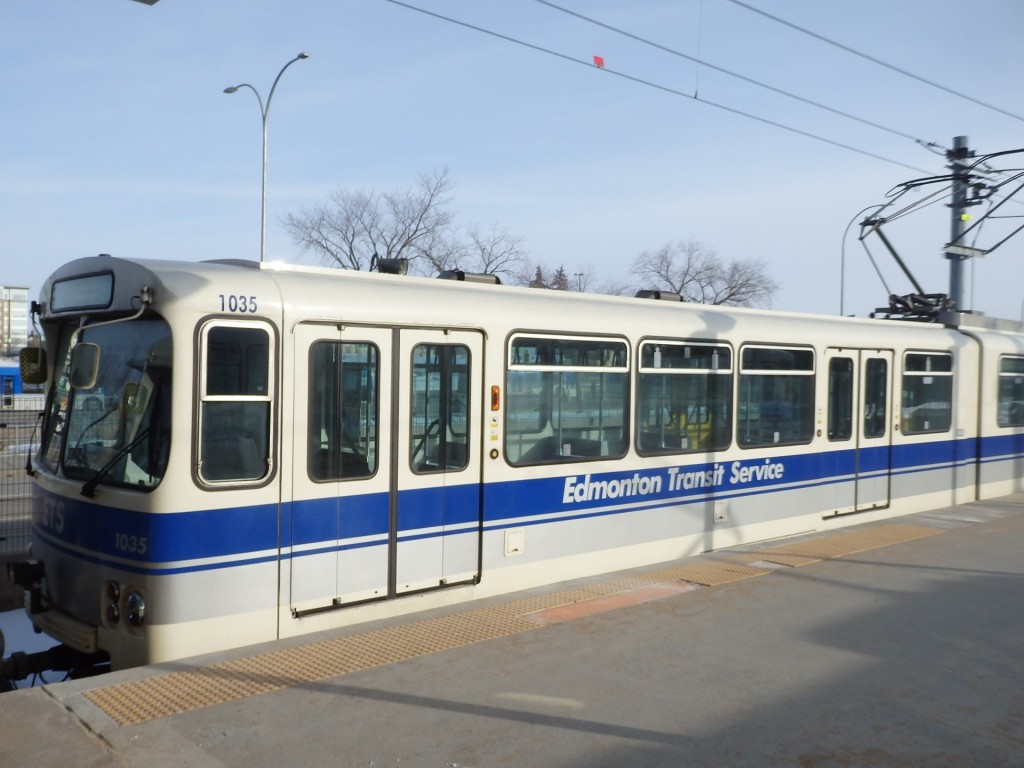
{"x":264,"y":111}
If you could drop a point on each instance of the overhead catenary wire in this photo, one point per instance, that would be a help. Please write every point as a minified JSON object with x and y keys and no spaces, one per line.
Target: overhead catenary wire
{"x":730,"y":73}
{"x":912,"y":207}
{"x":875,"y":60}
{"x":930,"y":199}
{"x":657,"y":86}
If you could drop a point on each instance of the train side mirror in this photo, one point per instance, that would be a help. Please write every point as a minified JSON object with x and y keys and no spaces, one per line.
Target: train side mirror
{"x":32,"y":362}
{"x":85,"y":365}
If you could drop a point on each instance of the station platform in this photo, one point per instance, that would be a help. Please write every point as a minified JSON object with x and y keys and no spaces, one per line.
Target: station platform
{"x":899,"y":643}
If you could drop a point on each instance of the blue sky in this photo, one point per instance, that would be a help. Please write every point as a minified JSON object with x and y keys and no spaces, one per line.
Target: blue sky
{"x":116,"y":136}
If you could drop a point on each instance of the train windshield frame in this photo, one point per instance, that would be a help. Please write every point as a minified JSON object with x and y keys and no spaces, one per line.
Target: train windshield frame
{"x":117,"y":431}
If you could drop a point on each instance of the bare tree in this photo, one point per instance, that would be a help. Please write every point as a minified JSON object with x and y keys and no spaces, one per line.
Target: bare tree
{"x":493,"y":251}
{"x":585,"y":282}
{"x":413,"y":224}
{"x":614,"y":287}
{"x":496,"y":251}
{"x":697,"y":273}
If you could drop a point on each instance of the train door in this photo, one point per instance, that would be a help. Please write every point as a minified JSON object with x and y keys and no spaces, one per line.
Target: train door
{"x":874,"y":437}
{"x":341,"y":466}
{"x":437,"y":462}
{"x":859,"y":428}
{"x":386,"y":463}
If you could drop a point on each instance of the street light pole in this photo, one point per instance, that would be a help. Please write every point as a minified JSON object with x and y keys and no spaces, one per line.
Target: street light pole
{"x":264,"y":112}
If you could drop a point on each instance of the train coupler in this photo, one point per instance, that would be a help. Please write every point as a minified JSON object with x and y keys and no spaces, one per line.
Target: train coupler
{"x":59,"y":658}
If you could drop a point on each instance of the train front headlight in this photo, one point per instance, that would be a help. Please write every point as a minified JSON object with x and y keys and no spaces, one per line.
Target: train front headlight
{"x":113,"y":602}
{"x":135,"y":608}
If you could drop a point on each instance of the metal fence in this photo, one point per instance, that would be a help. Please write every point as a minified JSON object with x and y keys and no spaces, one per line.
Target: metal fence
{"x":19,"y":434}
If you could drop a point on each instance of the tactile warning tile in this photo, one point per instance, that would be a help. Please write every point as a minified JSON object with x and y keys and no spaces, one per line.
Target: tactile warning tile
{"x":144,"y":700}
{"x":841,"y":544}
{"x":776,"y":558}
{"x":712,"y":573}
{"x":165,"y":695}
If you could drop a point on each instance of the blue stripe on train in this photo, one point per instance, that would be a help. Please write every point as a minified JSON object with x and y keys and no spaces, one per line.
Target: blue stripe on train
{"x":164,"y":543}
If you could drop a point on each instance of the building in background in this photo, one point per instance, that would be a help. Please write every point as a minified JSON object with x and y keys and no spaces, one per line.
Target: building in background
{"x":13,"y":320}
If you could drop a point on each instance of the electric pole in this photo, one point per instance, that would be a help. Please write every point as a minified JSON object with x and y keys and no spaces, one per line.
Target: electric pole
{"x":956,"y":252}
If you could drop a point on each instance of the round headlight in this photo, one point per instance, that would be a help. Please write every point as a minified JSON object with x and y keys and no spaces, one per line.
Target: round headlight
{"x":135,"y":608}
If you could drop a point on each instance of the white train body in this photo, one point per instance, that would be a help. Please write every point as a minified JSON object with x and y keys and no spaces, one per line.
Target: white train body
{"x":275,"y":450}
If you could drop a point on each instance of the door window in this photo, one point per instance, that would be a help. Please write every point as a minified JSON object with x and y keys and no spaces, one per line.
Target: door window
{"x":440,"y":408}
{"x":876,"y":397}
{"x":840,"y":398}
{"x":343,"y":410}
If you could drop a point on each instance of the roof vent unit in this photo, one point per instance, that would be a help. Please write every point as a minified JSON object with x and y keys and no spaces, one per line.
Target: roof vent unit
{"x":246,"y":263}
{"x":385,"y":266}
{"x":469,"y":277}
{"x":658,"y":295}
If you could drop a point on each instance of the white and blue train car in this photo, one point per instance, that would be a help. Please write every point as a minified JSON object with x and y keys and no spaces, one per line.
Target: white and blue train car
{"x":233,"y":452}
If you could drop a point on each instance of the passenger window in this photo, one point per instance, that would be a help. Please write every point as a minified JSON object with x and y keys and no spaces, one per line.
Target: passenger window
{"x":927,"y":392}
{"x":684,"y":397}
{"x":343,"y":410}
{"x":776,"y":401}
{"x":840,"y":398}
{"x":440,"y":400}
{"x":235,"y":402}
{"x":566,"y":399}
{"x":1011,"y":392}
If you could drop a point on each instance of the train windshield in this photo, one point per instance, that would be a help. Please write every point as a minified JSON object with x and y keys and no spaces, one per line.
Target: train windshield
{"x":115,"y":428}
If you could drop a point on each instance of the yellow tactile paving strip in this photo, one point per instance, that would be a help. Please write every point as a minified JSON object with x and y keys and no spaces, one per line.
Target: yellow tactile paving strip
{"x":165,"y":695}
{"x":144,"y":700}
{"x":714,"y":573}
{"x":841,"y":544}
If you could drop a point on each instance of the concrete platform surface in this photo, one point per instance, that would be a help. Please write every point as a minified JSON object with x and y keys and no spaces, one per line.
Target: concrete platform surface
{"x":899,"y":645}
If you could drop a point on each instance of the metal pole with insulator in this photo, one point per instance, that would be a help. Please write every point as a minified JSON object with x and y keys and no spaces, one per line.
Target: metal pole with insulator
{"x":958,"y":157}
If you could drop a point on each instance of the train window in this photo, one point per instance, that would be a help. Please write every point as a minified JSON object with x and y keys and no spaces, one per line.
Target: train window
{"x":566,"y":399}
{"x":927,"y":392}
{"x":776,"y":400}
{"x":1010,"y":411}
{"x":236,"y":380}
{"x":343,"y":410}
{"x":440,"y":401}
{"x":684,"y":397}
{"x":840,"y":398}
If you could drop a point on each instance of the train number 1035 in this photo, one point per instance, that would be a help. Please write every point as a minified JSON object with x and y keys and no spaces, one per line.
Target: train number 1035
{"x":230,"y":302}
{"x":133,"y":545}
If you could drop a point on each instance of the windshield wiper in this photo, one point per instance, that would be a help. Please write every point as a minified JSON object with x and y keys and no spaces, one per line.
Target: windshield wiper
{"x":89,"y":486}
{"x":28,"y":456}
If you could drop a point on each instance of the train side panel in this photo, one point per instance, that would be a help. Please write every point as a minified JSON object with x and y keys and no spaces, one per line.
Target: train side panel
{"x":351,"y":447}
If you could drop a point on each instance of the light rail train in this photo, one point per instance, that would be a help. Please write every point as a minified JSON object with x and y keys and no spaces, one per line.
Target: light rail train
{"x":234,"y":452}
